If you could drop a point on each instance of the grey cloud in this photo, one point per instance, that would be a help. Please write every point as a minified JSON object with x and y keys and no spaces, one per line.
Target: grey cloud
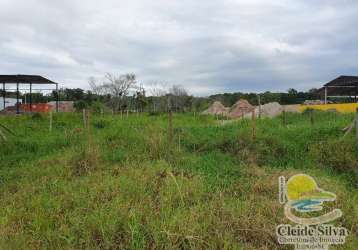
{"x":207,"y":46}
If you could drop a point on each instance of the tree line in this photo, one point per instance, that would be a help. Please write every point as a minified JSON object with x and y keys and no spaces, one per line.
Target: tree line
{"x":118,"y":93}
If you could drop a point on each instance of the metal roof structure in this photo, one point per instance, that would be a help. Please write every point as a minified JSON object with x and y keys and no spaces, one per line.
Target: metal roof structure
{"x":343,"y":81}
{"x":341,"y":86}
{"x":25,"y":79}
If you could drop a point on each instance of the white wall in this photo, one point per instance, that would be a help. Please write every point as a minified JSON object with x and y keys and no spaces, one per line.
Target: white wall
{"x":8,"y":102}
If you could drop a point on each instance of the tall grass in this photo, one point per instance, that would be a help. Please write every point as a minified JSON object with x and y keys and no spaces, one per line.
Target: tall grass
{"x":216,"y":191}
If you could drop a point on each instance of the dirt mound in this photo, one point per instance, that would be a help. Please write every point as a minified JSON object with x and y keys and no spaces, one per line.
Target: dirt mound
{"x":240,"y":108}
{"x":217,"y":108}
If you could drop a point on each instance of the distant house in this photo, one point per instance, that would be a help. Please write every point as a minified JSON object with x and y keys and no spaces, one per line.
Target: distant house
{"x":9,"y":102}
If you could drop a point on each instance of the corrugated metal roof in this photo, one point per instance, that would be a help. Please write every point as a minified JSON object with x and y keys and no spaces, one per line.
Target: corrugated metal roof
{"x":25,"y":79}
{"x":343,"y":81}
{"x":341,"y":86}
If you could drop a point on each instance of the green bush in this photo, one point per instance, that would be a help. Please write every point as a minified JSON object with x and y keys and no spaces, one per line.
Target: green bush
{"x":80,"y":105}
{"x":101,"y":124}
{"x":97,"y":107}
{"x":337,"y":154}
{"x":37,"y":116}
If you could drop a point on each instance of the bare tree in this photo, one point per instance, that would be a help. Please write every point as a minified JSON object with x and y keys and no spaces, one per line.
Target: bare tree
{"x":158,"y":94}
{"x":118,"y":87}
{"x":95,"y":86}
{"x":158,"y":91}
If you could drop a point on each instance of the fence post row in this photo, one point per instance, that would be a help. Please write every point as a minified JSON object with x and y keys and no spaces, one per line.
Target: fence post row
{"x":84,"y":118}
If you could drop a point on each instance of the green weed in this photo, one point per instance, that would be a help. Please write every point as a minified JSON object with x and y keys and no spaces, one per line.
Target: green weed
{"x":124,"y":187}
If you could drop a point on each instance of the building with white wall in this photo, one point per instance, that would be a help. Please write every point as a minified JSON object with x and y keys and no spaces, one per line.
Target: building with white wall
{"x":8,"y":102}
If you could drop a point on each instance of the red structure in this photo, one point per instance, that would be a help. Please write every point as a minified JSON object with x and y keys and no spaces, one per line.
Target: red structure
{"x":37,"y":108}
{"x":28,"y":80}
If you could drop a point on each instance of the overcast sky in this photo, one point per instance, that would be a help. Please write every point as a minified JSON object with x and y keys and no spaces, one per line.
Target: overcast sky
{"x":208,"y":46}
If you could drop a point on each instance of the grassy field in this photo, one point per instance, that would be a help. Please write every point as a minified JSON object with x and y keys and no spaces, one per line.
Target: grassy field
{"x":123,"y":187}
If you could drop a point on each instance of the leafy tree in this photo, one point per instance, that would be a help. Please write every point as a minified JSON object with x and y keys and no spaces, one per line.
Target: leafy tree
{"x":292,"y":92}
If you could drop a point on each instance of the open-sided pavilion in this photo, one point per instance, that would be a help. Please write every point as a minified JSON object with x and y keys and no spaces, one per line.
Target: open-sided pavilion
{"x":30,"y":81}
{"x":343,"y":86}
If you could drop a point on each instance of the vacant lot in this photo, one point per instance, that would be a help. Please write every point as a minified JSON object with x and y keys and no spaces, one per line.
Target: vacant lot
{"x":121,"y":186}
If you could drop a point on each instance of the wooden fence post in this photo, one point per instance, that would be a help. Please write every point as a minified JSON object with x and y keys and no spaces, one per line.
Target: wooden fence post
{"x":357,"y":124}
{"x":84,"y":118}
{"x":284,"y":118}
{"x":89,"y":133}
{"x":253,"y":125}
{"x":312,"y":118}
{"x":259,"y":102}
{"x":50,"y":127}
{"x":88,"y":120}
{"x":170,"y":128}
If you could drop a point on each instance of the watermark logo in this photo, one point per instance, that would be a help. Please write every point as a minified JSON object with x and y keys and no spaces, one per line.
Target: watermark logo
{"x":302,"y":198}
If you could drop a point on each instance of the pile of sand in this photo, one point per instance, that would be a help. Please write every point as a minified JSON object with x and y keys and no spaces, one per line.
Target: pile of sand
{"x":240,"y":108}
{"x":217,"y":108}
{"x":270,"y":110}
{"x":243,"y":109}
